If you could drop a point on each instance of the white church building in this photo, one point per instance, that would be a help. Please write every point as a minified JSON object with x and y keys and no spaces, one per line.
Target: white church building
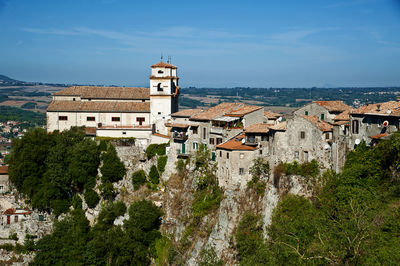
{"x":120,"y":112}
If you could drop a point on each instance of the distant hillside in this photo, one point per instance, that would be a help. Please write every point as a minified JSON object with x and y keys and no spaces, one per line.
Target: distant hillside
{"x":4,"y":79}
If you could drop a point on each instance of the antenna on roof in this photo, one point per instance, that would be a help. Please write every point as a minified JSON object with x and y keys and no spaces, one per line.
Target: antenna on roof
{"x":161,"y":57}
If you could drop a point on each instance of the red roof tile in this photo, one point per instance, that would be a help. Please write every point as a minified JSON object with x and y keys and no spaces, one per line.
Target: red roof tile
{"x":186,"y":112}
{"x":279,"y":127}
{"x":343,"y":116}
{"x":334,"y":106}
{"x":320,"y":124}
{"x":379,"y":136}
{"x":163,"y":64}
{"x":235,"y":144}
{"x":391,"y":108}
{"x":4,"y":169}
{"x":160,"y":135}
{"x":244,"y":110}
{"x":258,"y":128}
{"x":271,"y":115}
{"x":216,"y":111}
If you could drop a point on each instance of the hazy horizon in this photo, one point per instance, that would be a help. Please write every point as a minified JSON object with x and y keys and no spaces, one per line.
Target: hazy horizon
{"x":214,"y":44}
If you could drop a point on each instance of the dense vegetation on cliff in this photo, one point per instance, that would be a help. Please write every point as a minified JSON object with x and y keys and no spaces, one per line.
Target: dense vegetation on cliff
{"x":353,"y":218}
{"x":49,"y":169}
{"x":74,"y":242}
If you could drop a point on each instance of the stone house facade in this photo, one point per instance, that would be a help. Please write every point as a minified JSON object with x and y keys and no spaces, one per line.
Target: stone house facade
{"x":4,"y":179}
{"x":324,"y":110}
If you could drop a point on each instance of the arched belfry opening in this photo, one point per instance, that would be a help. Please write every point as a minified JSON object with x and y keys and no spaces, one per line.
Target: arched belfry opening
{"x":159,"y":88}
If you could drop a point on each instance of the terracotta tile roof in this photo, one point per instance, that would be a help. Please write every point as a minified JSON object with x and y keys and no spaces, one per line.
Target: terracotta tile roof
{"x":216,"y":111}
{"x":391,"y":108}
{"x":379,"y":136}
{"x":187,"y":112}
{"x":341,"y":122}
{"x":17,"y":211}
{"x":90,"y":131}
{"x":4,"y":169}
{"x":320,"y":124}
{"x":93,"y":92}
{"x":160,"y":135}
{"x":258,"y":128}
{"x":334,"y":106}
{"x":235,"y":144}
{"x":343,"y":116}
{"x":271,"y":115}
{"x":279,"y":127}
{"x":163,"y":64}
{"x":241,"y":111}
{"x":178,"y":125}
{"x":105,"y":106}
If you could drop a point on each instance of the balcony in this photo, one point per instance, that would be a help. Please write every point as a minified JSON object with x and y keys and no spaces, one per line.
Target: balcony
{"x":217,"y":130}
{"x":180,"y":136}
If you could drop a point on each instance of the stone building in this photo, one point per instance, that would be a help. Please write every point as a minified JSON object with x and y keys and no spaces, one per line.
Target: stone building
{"x":119,"y":111}
{"x":4,"y":179}
{"x":324,"y":110}
{"x":210,"y":127}
{"x":272,"y":117}
{"x":234,"y":158}
{"x":372,"y":122}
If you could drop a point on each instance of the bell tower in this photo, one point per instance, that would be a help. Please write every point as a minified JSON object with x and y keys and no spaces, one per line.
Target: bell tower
{"x":164,"y":93}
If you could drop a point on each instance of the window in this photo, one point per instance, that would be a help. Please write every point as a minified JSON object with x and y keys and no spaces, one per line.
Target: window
{"x":227,"y":155}
{"x":305,"y":156}
{"x":1,"y":188}
{"x":241,"y":155}
{"x":90,"y":118}
{"x":251,"y":139}
{"x":159,"y":113}
{"x":302,"y":134}
{"x":159,"y":87}
{"x":124,"y":133}
{"x":241,"y":171}
{"x":355,"y":126}
{"x":89,"y":100}
{"x":296,"y":155}
{"x":204,"y":133}
{"x":160,"y":72}
{"x":260,"y":152}
{"x":73,"y":99}
{"x":211,"y":141}
{"x":195,"y":146}
{"x":326,"y":135}
{"x":143,"y":101}
{"x":194,"y":130}
{"x":220,"y":153}
{"x":219,"y":141}
{"x":140,"y":120}
{"x":306,"y":112}
{"x":16,"y":218}
{"x":65,"y":118}
{"x":322,"y":116}
{"x":264,"y":138}
{"x":115,"y":118}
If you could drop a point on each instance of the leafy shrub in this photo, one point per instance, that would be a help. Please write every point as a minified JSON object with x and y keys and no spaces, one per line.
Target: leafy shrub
{"x":103,"y":145}
{"x":154,"y":176}
{"x":161,"y":162}
{"x":107,"y":191}
{"x":206,"y":201}
{"x":307,"y":169}
{"x":113,"y":169}
{"x":156,"y":149}
{"x":77,"y":202}
{"x":138,"y":179}
{"x":209,"y":257}
{"x":259,"y":171}
{"x":91,"y":198}
{"x":13,"y":236}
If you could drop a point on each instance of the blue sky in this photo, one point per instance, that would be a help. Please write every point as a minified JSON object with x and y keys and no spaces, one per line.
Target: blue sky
{"x":214,"y":43}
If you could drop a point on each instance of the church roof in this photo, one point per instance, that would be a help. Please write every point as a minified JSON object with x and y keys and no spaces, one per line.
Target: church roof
{"x":163,"y":64}
{"x":96,"y":92}
{"x":186,"y":112}
{"x":108,"y":106}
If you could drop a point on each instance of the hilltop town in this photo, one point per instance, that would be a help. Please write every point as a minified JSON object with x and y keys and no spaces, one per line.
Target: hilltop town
{"x":206,"y":168}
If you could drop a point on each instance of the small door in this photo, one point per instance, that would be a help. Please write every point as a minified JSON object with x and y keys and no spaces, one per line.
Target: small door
{"x":8,"y":219}
{"x":183,"y":150}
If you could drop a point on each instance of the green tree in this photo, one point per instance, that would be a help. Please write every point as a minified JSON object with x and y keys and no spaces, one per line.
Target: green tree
{"x":154,"y":176}
{"x":113,"y":169}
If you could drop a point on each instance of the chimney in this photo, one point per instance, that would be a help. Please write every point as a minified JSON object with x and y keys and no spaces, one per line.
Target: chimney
{"x":378,"y":107}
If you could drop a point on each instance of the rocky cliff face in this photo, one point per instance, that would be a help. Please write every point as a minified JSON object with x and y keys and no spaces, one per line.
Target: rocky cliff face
{"x":190,"y":234}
